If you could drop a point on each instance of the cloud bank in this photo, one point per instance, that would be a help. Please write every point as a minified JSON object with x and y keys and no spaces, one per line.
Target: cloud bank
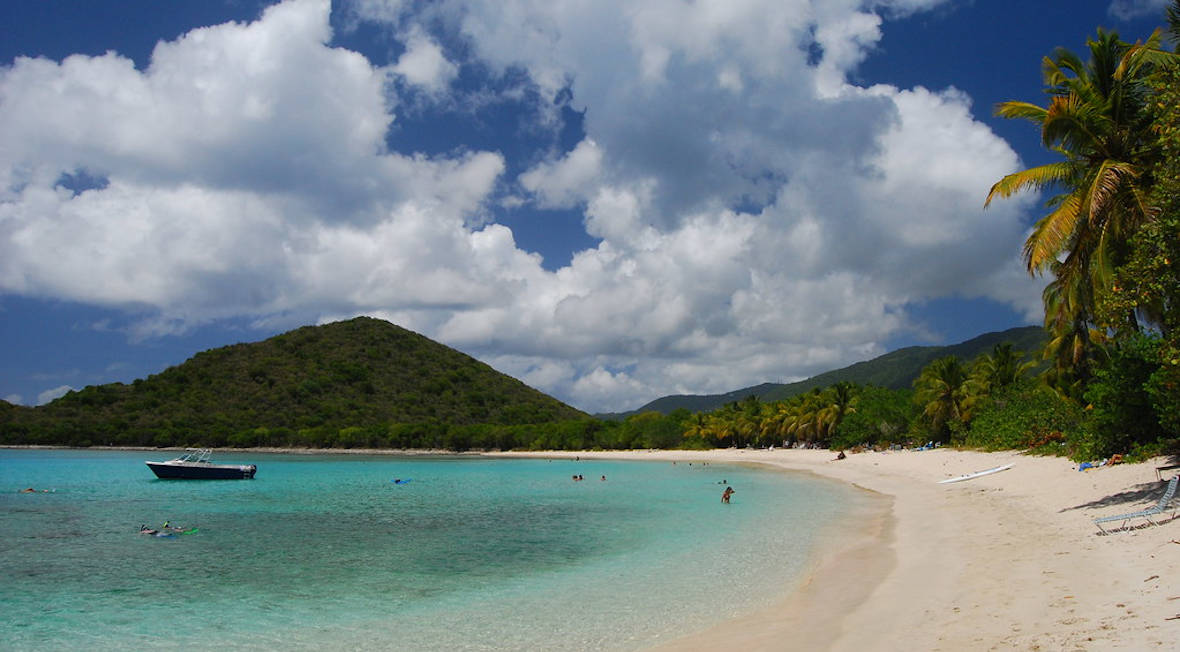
{"x":756,"y":215}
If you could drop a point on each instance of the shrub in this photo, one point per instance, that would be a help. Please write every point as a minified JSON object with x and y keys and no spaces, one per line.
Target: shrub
{"x":1025,"y":415}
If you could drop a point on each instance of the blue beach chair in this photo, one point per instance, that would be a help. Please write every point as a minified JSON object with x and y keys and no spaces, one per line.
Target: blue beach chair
{"x":1159,"y":508}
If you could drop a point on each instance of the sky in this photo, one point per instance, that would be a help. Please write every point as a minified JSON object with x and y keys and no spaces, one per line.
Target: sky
{"x":612,"y":201}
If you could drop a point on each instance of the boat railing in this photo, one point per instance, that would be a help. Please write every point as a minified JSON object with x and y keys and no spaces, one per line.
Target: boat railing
{"x":197,"y":455}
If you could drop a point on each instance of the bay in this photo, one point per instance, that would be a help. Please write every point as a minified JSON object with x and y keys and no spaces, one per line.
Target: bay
{"x":326,"y":552}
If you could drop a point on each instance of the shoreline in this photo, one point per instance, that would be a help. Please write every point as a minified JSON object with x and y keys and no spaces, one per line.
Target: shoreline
{"x":1010,"y":560}
{"x":404,"y":452}
{"x":807,"y":614}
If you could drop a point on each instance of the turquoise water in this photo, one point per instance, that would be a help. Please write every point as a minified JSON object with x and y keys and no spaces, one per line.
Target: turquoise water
{"x":325,"y":552}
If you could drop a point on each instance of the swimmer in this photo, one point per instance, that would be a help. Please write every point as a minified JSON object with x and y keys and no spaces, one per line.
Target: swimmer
{"x":726,"y":494}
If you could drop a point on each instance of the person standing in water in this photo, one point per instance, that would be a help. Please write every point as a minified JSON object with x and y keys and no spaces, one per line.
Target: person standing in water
{"x":726,"y":494}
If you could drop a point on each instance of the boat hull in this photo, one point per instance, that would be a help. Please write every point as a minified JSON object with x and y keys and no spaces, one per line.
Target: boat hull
{"x":167,"y":471}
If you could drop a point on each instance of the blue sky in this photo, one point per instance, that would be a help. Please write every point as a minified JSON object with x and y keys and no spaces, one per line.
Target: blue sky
{"x":610,"y":201}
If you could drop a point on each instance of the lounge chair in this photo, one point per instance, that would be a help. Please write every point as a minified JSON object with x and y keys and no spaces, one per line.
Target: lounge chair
{"x":1159,"y":508}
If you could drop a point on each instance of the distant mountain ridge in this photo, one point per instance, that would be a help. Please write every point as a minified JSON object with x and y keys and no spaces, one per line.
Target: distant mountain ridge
{"x":894,"y":370}
{"x":362,"y":372}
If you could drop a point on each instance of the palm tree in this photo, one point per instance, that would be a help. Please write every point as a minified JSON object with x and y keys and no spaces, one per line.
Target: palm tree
{"x":721,"y":426}
{"x":840,"y":400}
{"x":698,"y":427}
{"x":999,"y":369}
{"x":1074,"y":343}
{"x":941,"y":391}
{"x":1097,"y":121}
{"x":800,"y":417}
{"x":773,"y":427}
{"x":788,"y":415}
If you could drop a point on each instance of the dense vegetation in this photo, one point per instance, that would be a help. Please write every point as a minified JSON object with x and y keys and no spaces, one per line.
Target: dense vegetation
{"x":947,"y":400}
{"x":894,"y":370}
{"x":1109,"y":239}
{"x":363,"y":382}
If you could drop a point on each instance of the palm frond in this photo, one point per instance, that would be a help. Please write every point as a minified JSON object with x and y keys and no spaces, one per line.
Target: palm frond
{"x":1037,"y":178}
{"x":1074,"y":124}
{"x":1110,"y":179}
{"x":1061,"y":68}
{"x":1022,"y":110}
{"x":1173,"y":15}
{"x":1052,"y":233}
{"x":1143,"y":54}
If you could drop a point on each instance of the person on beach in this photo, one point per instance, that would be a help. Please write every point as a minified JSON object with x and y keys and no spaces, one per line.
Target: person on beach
{"x":726,"y":494}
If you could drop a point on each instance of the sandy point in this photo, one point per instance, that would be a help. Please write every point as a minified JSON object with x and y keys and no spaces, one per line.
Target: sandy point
{"x":1007,"y":561}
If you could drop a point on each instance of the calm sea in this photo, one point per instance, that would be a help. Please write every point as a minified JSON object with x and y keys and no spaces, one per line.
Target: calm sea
{"x":326,"y":552}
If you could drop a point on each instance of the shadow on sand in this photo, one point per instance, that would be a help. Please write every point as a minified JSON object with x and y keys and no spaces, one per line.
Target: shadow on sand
{"x":1141,"y":493}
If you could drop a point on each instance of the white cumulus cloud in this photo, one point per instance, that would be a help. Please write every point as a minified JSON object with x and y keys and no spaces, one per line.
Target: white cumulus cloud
{"x":424,"y":63}
{"x":756,"y":215}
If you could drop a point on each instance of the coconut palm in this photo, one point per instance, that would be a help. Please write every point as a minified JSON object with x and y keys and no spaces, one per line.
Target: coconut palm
{"x":697,"y":427}
{"x":800,"y":421}
{"x":721,"y":426}
{"x":1000,"y":368}
{"x":817,"y":417}
{"x":840,"y":400}
{"x":1074,"y":343}
{"x":1097,"y":120}
{"x":773,"y":427}
{"x":789,"y":413}
{"x":941,"y":390}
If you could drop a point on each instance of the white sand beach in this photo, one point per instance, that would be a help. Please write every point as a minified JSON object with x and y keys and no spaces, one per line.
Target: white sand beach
{"x":1008,"y":561}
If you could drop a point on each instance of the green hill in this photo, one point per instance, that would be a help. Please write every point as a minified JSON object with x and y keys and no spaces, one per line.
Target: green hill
{"x":316,"y":380}
{"x":894,"y":370}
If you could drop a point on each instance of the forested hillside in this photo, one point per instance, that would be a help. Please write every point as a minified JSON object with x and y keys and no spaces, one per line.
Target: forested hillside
{"x":310,"y":386}
{"x":894,"y":370}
